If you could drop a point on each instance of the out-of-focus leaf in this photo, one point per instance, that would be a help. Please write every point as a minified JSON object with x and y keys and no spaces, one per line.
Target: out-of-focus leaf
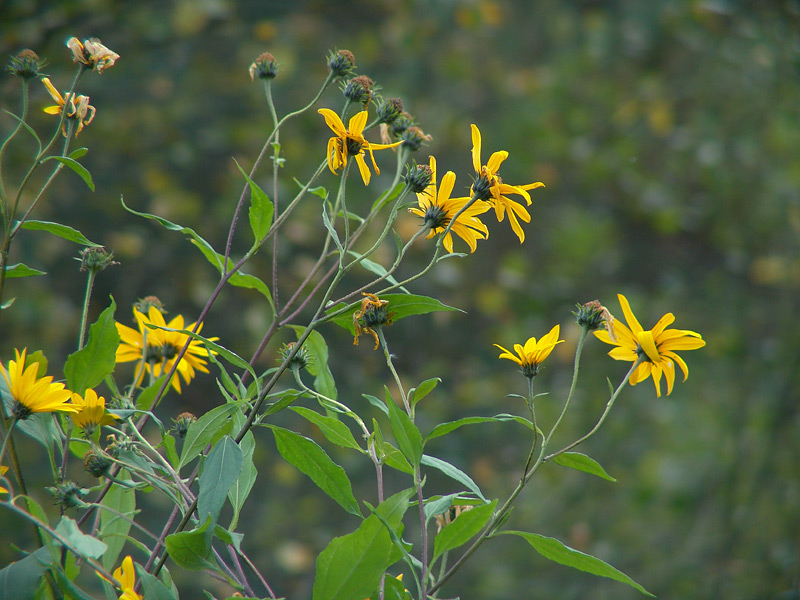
{"x":400,"y":306}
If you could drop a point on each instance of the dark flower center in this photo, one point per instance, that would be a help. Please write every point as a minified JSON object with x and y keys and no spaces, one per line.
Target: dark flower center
{"x":436,"y":218}
{"x":353,"y":146}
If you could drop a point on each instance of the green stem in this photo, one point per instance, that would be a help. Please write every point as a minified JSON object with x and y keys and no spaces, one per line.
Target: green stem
{"x":7,"y":438}
{"x":390,"y":364}
{"x":85,"y":313}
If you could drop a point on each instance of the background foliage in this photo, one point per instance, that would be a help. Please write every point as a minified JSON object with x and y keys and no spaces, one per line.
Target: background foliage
{"x":666,"y":132}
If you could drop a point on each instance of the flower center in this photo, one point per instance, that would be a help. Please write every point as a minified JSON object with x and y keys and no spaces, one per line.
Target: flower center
{"x":353,"y":146}
{"x":157,"y":354}
{"x":435,"y":218}
{"x":482,"y":187}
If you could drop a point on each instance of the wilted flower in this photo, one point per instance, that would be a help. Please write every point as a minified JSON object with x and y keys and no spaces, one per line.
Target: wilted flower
{"x":78,"y":110}
{"x":92,"y":53}
{"x":372,"y":315}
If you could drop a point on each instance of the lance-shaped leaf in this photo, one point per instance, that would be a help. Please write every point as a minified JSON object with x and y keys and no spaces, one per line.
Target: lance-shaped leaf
{"x":406,"y":433}
{"x":207,"y":430}
{"x":82,"y":544}
{"x":114,"y":527}
{"x":191,"y":549}
{"x":261,"y":208}
{"x":20,"y":579}
{"x":462,"y":529}
{"x":453,"y":472}
{"x":554,"y":550}
{"x":581,"y":462}
{"x":21,"y":270}
{"x":220,"y":470}
{"x":82,"y":172}
{"x":351,"y":566}
{"x":332,"y":428}
{"x":89,"y":366}
{"x":312,"y":460}
{"x":62,"y":231}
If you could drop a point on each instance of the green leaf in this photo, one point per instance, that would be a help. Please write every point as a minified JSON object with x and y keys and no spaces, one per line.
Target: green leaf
{"x":581,"y":462}
{"x":261,"y":209}
{"x":195,"y":237}
{"x":452,"y":472}
{"x":445,"y":428}
{"x":20,"y":270}
{"x":87,"y":367}
{"x":84,"y":545}
{"x":247,"y":477}
{"x":554,"y":550}
{"x":351,"y":566}
{"x":220,"y":470}
{"x":191,"y":549}
{"x":113,"y":528}
{"x":400,"y":305}
{"x":462,"y":528}
{"x":152,"y":587}
{"x":423,"y":389}
{"x":75,"y":166}
{"x":285,"y":398}
{"x":318,"y":365}
{"x":312,"y":460}
{"x":387,"y":196}
{"x":78,"y":153}
{"x":332,"y":428}
{"x":406,"y":433}
{"x":206,"y":430}
{"x":62,"y":231}
{"x":439,"y":505}
{"x":332,"y":231}
{"x":19,"y":580}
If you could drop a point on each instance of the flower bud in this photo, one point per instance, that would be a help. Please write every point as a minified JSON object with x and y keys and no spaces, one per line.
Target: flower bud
{"x":68,"y":495}
{"x":414,"y":137}
{"x":592,"y":314}
{"x":264,"y":67}
{"x":182,"y":423}
{"x":341,"y":63}
{"x":96,"y":258}
{"x":389,"y":109}
{"x":418,"y":178}
{"x":143,"y":305}
{"x":299,"y":361}
{"x":96,"y":463}
{"x":359,"y":89}
{"x":26,"y":64}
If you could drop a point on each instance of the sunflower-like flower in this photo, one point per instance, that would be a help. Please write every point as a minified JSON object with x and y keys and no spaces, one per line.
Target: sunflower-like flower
{"x":157,"y":348}
{"x":437,"y":209}
{"x":78,"y":108}
{"x":92,"y":412}
{"x":3,"y":490}
{"x":656,"y":347}
{"x":488,"y":186}
{"x":533,"y":353}
{"x":92,"y":53}
{"x":125,"y":580}
{"x":31,"y":393}
{"x":351,"y":142}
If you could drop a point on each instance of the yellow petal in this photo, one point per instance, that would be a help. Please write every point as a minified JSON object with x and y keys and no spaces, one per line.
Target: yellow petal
{"x":626,"y":308}
{"x":476,"y":148}
{"x":333,"y":121}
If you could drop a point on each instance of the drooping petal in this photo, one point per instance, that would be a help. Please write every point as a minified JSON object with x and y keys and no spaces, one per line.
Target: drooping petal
{"x":357,"y":123}
{"x":495,"y":160}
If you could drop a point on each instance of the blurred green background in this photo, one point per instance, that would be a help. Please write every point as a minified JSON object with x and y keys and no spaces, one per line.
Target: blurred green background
{"x":667,"y":134}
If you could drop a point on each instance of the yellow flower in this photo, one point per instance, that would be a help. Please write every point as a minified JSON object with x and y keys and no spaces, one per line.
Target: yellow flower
{"x":125,"y":580}
{"x":92,"y":53}
{"x":488,"y":186}
{"x":158,"y":348}
{"x":351,"y":142}
{"x":3,"y":490}
{"x":437,"y":208}
{"x":92,"y":412}
{"x":655,"y":346}
{"x":78,"y":109}
{"x":33,"y":394}
{"x":533,"y":353}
